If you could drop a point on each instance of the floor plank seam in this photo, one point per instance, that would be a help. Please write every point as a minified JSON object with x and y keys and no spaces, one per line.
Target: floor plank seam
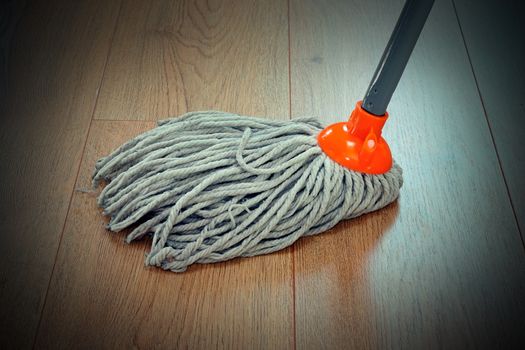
{"x":124,"y":120}
{"x":294,"y":308}
{"x":37,"y":330}
{"x":294,"y":328}
{"x":289,"y":64}
{"x":489,"y":125}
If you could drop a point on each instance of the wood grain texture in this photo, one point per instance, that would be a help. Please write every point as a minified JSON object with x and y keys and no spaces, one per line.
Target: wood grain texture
{"x":497,"y":53}
{"x":102,"y":296}
{"x":444,"y":267}
{"x":170,"y":57}
{"x":56,"y":64}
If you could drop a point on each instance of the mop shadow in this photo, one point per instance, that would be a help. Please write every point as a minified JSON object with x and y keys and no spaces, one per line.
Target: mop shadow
{"x":349,"y":244}
{"x":334,"y":260}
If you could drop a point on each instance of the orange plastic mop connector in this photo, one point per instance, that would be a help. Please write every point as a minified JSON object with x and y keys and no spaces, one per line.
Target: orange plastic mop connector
{"x":357,"y":144}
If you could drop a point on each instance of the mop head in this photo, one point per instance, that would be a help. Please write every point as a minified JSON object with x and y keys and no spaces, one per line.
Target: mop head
{"x":212,"y":186}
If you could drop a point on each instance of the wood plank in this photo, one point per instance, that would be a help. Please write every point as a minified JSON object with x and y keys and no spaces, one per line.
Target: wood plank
{"x":10,"y":14}
{"x":171,"y":57}
{"x":497,"y":53}
{"x":444,"y":268}
{"x":56,"y":65}
{"x":102,"y":296}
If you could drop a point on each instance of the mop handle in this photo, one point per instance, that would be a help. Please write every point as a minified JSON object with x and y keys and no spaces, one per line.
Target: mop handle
{"x":396,"y":55}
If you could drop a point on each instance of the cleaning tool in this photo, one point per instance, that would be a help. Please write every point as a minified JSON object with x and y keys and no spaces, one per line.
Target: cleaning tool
{"x":211,"y":186}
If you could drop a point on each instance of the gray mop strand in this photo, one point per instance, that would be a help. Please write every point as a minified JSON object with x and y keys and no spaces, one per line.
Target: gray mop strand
{"x":211,"y":186}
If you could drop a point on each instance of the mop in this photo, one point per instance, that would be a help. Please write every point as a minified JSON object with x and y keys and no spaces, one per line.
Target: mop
{"x":212,"y":186}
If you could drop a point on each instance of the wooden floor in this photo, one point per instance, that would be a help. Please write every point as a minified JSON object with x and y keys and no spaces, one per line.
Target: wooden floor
{"x":443,"y":267}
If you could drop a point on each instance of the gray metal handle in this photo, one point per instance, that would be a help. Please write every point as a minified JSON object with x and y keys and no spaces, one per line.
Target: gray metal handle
{"x":396,"y":55}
